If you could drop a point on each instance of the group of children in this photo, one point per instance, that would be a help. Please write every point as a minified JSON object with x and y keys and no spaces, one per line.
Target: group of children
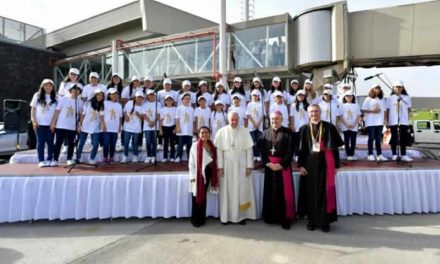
{"x":138,"y":111}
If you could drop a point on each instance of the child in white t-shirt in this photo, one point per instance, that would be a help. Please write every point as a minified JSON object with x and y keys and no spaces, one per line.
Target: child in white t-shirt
{"x":202,"y":114}
{"x":167,"y":124}
{"x":43,"y":105}
{"x":350,"y":118}
{"x":330,"y":111}
{"x":92,"y":122}
{"x":167,"y":84}
{"x":298,"y":118}
{"x":280,"y":106}
{"x":221,"y":94}
{"x":150,"y":126}
{"x":186,"y":88}
{"x":204,"y":91}
{"x":237,"y":89}
{"x":239,"y":109}
{"x":113,"y":122}
{"x":89,"y":90}
{"x":133,"y":114}
{"x":65,"y":123}
{"x":218,"y":119}
{"x":71,"y":80}
{"x":130,"y":91}
{"x":184,"y":126}
{"x":255,"y":116}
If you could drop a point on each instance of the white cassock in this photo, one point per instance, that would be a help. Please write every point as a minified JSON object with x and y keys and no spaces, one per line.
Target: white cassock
{"x":234,"y":155}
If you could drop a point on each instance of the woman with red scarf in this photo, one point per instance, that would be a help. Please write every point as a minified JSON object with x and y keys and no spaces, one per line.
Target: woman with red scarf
{"x":203,"y":174}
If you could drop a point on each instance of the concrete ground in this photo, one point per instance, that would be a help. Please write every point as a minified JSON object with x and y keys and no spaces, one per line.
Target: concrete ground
{"x":355,"y":239}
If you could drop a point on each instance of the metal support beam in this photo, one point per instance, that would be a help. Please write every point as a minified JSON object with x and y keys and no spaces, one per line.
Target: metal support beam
{"x":115,"y":59}
{"x":222,"y":54}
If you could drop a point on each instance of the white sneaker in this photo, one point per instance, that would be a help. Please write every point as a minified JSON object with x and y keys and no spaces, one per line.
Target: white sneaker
{"x":42,"y":164}
{"x":159,"y":147}
{"x":296,"y":158}
{"x":92,"y":162}
{"x":164,"y":160}
{"x":153,"y":159}
{"x":258,"y":159}
{"x":135,"y":159}
{"x":53,"y":163}
{"x":124,"y":159}
{"x":64,"y":149}
{"x":177,"y":160}
{"x":119,"y":148}
{"x":147,"y":160}
{"x":354,"y":158}
{"x":71,"y":162}
{"x":381,"y":158}
{"x":394,"y":157}
{"x":349,"y":158}
{"x":171,"y":160}
{"x":406,"y":158}
{"x":371,"y":158}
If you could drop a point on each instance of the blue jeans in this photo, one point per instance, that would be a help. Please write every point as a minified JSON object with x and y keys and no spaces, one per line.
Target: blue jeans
{"x":350,"y":142}
{"x":183,"y":140}
{"x":63,"y":135}
{"x":375,"y":134}
{"x":134,"y":137}
{"x":150,"y":139}
{"x":110,"y":139}
{"x":95,"y":144}
{"x":44,"y":136}
{"x":168,"y":141}
{"x":255,"y":135}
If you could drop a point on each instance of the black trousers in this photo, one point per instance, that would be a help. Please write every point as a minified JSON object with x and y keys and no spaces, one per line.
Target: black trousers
{"x":403,"y":129}
{"x":198,"y":214}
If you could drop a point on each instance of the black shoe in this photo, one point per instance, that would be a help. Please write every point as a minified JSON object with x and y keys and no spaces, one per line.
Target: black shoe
{"x":242,"y":222}
{"x":197,"y":225}
{"x":325,"y":229}
{"x":286,"y":226}
{"x":311,"y":227}
{"x":225,"y":223}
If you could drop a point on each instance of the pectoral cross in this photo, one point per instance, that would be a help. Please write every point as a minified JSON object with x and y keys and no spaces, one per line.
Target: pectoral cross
{"x":185,"y":118}
{"x":69,"y":112}
{"x":112,"y":114}
{"x":272,"y":150}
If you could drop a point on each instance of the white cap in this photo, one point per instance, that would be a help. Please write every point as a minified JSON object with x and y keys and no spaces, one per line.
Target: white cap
{"x":348,"y":93}
{"x":185,"y":94}
{"x":98,"y":90}
{"x":255,"y":92}
{"x":236,"y":95}
{"x":185,"y":83}
{"x":150,"y":91}
{"x":276,"y":79}
{"x":217,"y":102}
{"x":217,"y":84}
{"x":148,"y":78}
{"x":167,"y":81}
{"x":47,"y":81}
{"x":398,"y":83}
{"x":116,"y":74}
{"x":300,"y":92}
{"x":169,"y":96}
{"x":94,"y":75}
{"x":308,"y":81}
{"x":327,"y":92}
{"x":277,"y":93}
{"x":74,"y":71}
{"x":203,"y":82}
{"x":375,"y":85}
{"x":139,"y":93}
{"x":200,"y":98}
{"x":257,"y":79}
{"x":134,"y":78}
{"x":328,"y":86}
{"x":77,"y":86}
{"x":294,"y":81}
{"x":238,"y":79}
{"x":346,"y":85}
{"x":112,"y":90}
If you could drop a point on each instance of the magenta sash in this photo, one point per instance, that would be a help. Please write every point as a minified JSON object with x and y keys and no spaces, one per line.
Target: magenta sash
{"x":330,"y":179}
{"x":289,"y":191}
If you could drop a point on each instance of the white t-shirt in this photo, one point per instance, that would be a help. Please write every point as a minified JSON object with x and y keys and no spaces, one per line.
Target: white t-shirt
{"x":330,"y":111}
{"x":283,"y":109}
{"x":163,"y":93}
{"x":218,"y":120}
{"x":255,"y":110}
{"x":167,"y":115}
{"x":185,"y":114}
{"x":89,"y":90}
{"x":241,"y":113}
{"x":290,"y":98}
{"x":91,"y":122}
{"x":44,"y":113}
{"x":272,"y":99}
{"x":396,"y":107}
{"x":150,"y":111}
{"x":134,"y":123}
{"x":112,"y":116}
{"x":66,"y":118}
{"x":374,"y":119}
{"x":180,"y":95}
{"x":125,"y":94}
{"x":209,"y":99}
{"x":203,"y":116}
{"x":264,"y":97}
{"x":225,"y":99}
{"x":350,"y":113}
{"x":243,"y":101}
{"x":300,"y":117}
{"x":64,"y":88}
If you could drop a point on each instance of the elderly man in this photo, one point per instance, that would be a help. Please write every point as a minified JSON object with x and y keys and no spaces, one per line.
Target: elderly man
{"x":318,"y":158}
{"x":235,"y":163}
{"x":276,"y":147}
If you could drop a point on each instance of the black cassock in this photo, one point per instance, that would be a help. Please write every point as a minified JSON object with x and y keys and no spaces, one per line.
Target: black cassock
{"x":313,"y":190}
{"x":274,"y":205}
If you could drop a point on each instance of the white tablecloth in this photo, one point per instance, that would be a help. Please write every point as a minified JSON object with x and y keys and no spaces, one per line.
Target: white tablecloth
{"x":166,"y":195}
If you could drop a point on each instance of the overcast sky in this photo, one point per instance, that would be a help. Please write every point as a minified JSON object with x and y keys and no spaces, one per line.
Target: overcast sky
{"x":54,"y":14}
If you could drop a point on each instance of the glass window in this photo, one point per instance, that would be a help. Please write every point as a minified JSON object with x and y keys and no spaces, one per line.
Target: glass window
{"x":423,"y":125}
{"x":436,"y":125}
{"x":14,"y":30}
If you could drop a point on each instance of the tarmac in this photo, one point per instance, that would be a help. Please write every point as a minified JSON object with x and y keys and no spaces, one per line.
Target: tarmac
{"x":353,"y":239}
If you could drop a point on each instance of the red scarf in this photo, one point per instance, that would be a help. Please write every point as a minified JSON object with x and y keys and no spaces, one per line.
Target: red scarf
{"x":201,"y":193}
